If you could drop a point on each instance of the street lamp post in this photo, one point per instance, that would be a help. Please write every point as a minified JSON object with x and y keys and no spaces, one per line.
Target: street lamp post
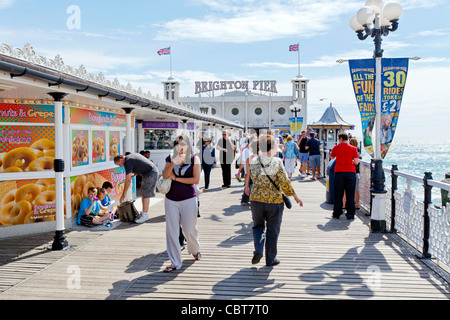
{"x":295,"y":108}
{"x":377,"y":20}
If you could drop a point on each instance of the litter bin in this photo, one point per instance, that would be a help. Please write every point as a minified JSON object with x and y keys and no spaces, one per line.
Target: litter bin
{"x":330,"y":181}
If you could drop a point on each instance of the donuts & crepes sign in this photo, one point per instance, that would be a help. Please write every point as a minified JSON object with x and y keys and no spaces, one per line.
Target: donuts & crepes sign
{"x":26,"y":148}
{"x":30,"y":113}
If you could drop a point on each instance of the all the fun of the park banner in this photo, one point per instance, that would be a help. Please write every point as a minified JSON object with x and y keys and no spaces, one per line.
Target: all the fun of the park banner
{"x":393,"y":79}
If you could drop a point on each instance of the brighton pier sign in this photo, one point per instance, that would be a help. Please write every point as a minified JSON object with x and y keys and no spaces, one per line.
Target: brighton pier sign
{"x":261,"y":85}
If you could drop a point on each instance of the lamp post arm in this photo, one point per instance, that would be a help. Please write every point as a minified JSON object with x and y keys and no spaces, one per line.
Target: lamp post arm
{"x":361,"y":35}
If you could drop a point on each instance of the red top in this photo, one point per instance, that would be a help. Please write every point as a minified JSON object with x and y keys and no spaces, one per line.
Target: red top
{"x":344,"y":154}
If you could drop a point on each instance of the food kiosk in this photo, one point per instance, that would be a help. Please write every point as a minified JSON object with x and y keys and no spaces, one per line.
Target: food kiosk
{"x":27,"y":153}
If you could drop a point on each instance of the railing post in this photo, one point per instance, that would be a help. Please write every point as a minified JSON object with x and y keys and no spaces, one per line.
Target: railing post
{"x":394,"y":179}
{"x":426,"y":218}
{"x":378,"y":214}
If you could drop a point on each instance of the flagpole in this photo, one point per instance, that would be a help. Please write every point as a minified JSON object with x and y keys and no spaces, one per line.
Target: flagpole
{"x":170,"y":54}
{"x":299,"y":59}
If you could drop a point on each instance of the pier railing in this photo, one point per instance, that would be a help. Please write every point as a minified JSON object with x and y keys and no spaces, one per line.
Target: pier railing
{"x":415,"y":218}
{"x":411,"y":215}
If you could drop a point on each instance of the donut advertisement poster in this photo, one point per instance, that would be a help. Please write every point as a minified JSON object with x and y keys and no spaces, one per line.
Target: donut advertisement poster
{"x":114,"y":144}
{"x":26,"y":148}
{"x":98,"y":146}
{"x":80,"y":152}
{"x":27,"y":201}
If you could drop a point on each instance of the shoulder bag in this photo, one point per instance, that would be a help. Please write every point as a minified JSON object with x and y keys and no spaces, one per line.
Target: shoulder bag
{"x":163,"y":185}
{"x":287,"y":201}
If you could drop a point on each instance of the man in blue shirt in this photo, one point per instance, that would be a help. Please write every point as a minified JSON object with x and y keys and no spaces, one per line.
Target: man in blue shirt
{"x":313,"y":148}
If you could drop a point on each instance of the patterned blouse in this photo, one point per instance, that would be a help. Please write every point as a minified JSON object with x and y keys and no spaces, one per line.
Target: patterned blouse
{"x":263,"y":190}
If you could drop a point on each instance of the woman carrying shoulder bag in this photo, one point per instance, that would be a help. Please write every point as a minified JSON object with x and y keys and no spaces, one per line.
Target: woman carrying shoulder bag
{"x":266,"y":199}
{"x":181,"y":205}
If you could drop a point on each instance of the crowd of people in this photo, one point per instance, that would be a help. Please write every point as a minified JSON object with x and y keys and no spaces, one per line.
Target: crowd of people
{"x":266,"y":162}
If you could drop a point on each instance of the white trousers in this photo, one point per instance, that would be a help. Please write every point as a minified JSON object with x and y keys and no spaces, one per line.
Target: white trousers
{"x":290,"y":165}
{"x":182,"y":213}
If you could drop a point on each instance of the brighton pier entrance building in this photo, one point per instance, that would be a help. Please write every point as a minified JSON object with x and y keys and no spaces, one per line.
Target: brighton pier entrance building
{"x":255,"y":105}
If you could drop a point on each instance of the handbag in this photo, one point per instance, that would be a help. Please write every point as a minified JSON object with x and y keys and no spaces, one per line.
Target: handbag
{"x":163,"y":185}
{"x":287,"y":201}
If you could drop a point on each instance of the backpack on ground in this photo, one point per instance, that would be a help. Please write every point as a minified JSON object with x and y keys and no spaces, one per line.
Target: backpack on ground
{"x":128,"y":212}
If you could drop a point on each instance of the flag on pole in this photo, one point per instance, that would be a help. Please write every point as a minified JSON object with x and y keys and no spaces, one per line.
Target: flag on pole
{"x":164,"y":51}
{"x":294,"y":47}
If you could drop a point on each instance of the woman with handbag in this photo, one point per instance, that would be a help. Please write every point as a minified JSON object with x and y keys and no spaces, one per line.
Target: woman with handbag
{"x":267,"y":199}
{"x":181,"y":206}
{"x":291,"y":152}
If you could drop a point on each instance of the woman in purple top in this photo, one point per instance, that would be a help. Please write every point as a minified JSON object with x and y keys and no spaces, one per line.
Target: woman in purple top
{"x":181,"y":201}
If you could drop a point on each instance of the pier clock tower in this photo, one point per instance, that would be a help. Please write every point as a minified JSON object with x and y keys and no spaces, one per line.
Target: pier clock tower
{"x":300,"y":96}
{"x":171,"y":90}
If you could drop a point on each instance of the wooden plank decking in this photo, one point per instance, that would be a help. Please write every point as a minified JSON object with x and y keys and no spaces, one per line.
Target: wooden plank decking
{"x":321,"y":258}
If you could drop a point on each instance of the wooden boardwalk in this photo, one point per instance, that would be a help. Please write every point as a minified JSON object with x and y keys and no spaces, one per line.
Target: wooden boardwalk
{"x":321,"y":258}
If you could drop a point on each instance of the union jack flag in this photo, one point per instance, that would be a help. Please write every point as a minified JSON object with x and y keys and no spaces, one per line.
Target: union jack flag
{"x":164,"y":51}
{"x":294,"y":47}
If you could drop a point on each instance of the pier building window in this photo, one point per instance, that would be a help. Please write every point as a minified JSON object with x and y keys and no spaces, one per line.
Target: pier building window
{"x":258,"y":111}
{"x":235,"y":111}
{"x":281,"y":111}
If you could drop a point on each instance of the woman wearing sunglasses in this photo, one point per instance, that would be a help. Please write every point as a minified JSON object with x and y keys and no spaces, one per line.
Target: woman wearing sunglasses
{"x":181,"y":206}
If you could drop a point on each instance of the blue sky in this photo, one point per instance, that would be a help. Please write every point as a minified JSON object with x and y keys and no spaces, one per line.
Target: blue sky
{"x":244,"y":40}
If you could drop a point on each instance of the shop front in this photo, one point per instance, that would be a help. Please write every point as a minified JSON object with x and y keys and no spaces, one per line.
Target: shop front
{"x":60,"y":128}
{"x":27,"y":154}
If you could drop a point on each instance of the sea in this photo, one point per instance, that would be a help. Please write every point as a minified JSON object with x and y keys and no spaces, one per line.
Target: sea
{"x":416,"y":156}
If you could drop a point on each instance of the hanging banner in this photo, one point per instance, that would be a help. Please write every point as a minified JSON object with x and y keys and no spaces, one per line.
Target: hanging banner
{"x":393,"y":80}
{"x":296,"y":125}
{"x":363,"y":78}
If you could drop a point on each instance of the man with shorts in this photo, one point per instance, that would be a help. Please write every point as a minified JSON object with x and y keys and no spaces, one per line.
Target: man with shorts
{"x":313,"y":147}
{"x":136,"y":163}
{"x":303,"y":153}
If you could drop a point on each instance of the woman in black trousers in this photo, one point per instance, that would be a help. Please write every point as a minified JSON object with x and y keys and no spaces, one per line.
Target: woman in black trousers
{"x":208,"y":160}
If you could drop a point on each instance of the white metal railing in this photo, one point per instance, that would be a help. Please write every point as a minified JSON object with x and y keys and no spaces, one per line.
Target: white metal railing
{"x":416,"y":219}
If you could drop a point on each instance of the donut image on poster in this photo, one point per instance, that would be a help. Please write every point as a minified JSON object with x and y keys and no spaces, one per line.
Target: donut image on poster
{"x":24,"y":149}
{"x":27,"y":201}
{"x":98,"y":146}
{"x":80,"y":152}
{"x":114,"y":139}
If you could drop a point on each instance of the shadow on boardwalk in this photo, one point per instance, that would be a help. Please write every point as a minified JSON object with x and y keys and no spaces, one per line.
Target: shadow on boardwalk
{"x":321,"y":258}
{"x":349,"y":281}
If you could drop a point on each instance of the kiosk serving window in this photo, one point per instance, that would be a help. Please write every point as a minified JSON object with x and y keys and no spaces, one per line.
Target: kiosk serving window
{"x":159,"y":135}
